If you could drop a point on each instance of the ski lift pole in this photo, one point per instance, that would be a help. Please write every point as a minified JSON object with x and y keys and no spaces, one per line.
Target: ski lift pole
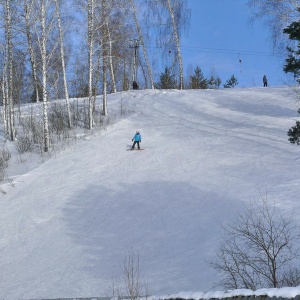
{"x":134,"y":44}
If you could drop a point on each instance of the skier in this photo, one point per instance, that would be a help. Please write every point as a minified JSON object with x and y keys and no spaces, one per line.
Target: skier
{"x":137,"y":139}
{"x":265,"y":81}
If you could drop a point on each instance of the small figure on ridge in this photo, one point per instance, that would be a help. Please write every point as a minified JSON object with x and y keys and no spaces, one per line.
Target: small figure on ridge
{"x":265,"y":81}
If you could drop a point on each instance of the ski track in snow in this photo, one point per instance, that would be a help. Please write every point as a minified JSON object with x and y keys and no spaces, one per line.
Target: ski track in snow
{"x":66,"y":225}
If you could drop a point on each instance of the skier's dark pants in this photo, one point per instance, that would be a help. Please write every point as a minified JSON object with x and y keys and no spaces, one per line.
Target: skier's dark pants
{"x":265,"y":84}
{"x":136,"y":142}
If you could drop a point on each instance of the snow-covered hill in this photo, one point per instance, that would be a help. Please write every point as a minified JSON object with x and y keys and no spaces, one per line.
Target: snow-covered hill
{"x":66,"y":225}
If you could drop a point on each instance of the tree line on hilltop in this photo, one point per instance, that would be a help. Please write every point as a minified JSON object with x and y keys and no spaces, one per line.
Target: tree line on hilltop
{"x":54,"y":49}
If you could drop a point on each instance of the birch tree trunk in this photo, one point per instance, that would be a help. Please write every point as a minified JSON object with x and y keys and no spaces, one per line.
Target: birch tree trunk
{"x":97,"y":78}
{"x":4,"y":108}
{"x":111,"y":65}
{"x":142,"y":43}
{"x":6,"y":92}
{"x":9,"y":70}
{"x":63,"y":63}
{"x":44,"y":74}
{"x":125,"y":79}
{"x":171,"y":11}
{"x":30,"y":49}
{"x":90,"y":58}
{"x":104,"y":57}
{"x":104,"y":92}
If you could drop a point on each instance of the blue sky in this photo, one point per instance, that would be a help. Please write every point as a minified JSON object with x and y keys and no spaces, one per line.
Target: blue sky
{"x":221,"y":35}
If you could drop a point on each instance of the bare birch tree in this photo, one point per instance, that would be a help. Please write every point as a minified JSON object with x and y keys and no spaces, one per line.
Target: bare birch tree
{"x":104,"y":56}
{"x":141,"y":39}
{"x":90,"y":58}
{"x":177,"y":41}
{"x":111,"y":65}
{"x":119,"y":33}
{"x":169,"y":18}
{"x":63,"y":62}
{"x":4,"y":96}
{"x":28,"y":10}
{"x":277,"y":14}
{"x":9,"y":70}
{"x":44,"y":76}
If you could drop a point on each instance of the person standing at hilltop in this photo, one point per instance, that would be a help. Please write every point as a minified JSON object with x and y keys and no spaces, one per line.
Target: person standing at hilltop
{"x":265,"y":81}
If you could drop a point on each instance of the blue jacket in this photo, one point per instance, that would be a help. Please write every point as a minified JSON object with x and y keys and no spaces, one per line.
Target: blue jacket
{"x":137,"y":137}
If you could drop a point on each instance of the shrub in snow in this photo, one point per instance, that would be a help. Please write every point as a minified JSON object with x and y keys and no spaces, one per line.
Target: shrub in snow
{"x":58,"y":121}
{"x":32,"y":129}
{"x":5,"y":156}
{"x":259,"y":250}
{"x":24,"y":143}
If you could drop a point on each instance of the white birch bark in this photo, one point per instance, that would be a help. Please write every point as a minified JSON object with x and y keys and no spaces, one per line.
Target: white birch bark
{"x":111,"y":65}
{"x":125,"y":79}
{"x":44,"y":75}
{"x":63,"y":63}
{"x":4,"y":108}
{"x":171,"y":11}
{"x":10,"y":70}
{"x":104,"y":92}
{"x":90,"y":58}
{"x":104,"y":58}
{"x":6,"y":94}
{"x":30,"y":48}
{"x":142,"y":43}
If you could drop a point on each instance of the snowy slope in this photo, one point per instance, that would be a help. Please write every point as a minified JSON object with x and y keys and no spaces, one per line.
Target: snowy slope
{"x":66,"y":225}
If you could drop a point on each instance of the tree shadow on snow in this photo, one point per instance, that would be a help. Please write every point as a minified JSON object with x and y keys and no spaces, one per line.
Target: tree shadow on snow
{"x":173,"y":227}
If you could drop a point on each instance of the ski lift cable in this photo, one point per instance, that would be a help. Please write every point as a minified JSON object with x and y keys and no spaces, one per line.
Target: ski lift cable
{"x":220,"y":50}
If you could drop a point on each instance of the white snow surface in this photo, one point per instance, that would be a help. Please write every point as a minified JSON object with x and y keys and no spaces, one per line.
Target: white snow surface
{"x":286,"y":292}
{"x":67,"y":224}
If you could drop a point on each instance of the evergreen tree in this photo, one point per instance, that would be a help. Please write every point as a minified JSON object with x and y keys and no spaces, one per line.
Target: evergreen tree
{"x":293,"y":61}
{"x":214,"y":82}
{"x":294,"y":134}
{"x":231,"y":82}
{"x":198,"y":81}
{"x":167,"y":80}
{"x":293,"y":66}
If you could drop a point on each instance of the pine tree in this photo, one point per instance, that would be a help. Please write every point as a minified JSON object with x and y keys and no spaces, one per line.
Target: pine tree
{"x":198,"y":81}
{"x":294,"y":134}
{"x":231,"y":82}
{"x":167,"y":80}
{"x":214,"y":82}
{"x":293,"y":61}
{"x":293,"y":66}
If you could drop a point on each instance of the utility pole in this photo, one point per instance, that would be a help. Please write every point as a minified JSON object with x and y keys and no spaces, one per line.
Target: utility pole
{"x":134,"y":44}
